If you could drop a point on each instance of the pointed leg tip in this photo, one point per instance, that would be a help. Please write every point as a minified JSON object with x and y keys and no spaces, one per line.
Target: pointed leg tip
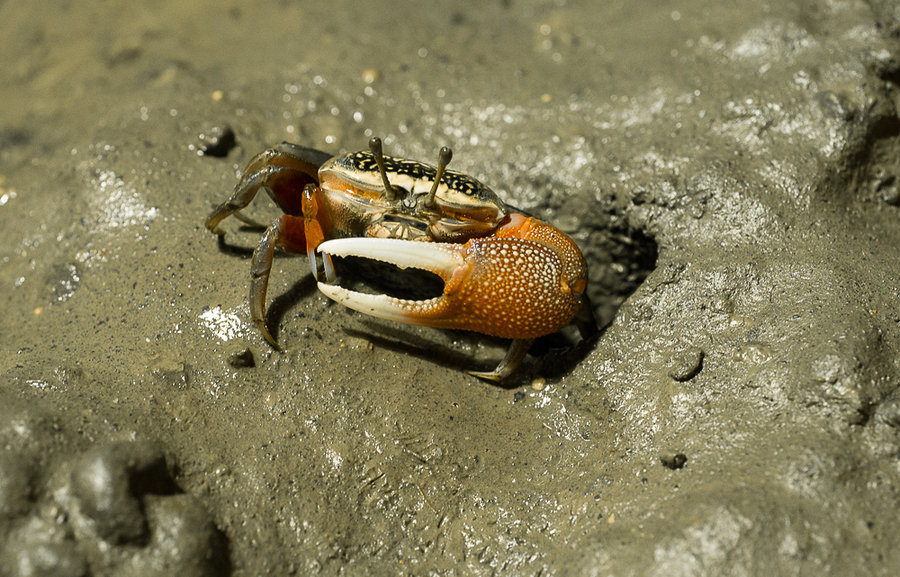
{"x":268,"y":336}
{"x":518,"y":348}
{"x":276,"y":346}
{"x":213,"y":227}
{"x":493,"y":376}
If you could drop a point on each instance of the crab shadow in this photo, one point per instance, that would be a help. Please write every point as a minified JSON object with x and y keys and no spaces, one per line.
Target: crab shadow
{"x":552,"y":356}
{"x":237,"y":250}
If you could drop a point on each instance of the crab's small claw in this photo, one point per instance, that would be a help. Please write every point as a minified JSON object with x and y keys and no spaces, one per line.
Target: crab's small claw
{"x":522,"y":283}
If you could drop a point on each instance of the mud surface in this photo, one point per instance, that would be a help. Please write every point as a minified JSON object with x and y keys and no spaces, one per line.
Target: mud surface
{"x":730,"y":173}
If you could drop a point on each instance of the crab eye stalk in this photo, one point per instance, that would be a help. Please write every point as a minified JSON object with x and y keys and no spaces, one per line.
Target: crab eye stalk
{"x":375,"y":147}
{"x":444,"y":157}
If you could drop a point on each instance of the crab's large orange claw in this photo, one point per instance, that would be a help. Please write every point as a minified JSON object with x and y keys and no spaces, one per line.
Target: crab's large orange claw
{"x":524,"y":282}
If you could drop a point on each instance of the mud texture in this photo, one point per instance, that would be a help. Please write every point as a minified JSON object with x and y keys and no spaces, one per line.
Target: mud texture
{"x":730,"y":171}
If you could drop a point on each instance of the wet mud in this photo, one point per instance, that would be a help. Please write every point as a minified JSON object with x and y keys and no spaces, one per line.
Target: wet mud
{"x":730,"y":173}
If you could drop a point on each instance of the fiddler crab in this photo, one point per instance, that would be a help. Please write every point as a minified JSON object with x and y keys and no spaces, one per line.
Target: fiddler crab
{"x":505,"y":274}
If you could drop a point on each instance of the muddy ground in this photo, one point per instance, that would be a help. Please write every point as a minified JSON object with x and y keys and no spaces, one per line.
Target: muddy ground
{"x":731,"y":175}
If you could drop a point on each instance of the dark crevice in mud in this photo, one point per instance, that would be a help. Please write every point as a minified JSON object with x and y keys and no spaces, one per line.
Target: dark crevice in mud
{"x":865,"y":413}
{"x":559,"y":352}
{"x":619,"y":260}
{"x":872,"y":170}
{"x":891,"y":72}
{"x":870,"y":164}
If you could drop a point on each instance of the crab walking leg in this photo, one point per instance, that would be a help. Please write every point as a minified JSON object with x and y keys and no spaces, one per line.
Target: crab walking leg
{"x":243,"y":195}
{"x":518,"y":348}
{"x":260,"y":267}
{"x":280,"y":171}
{"x":287,"y":231}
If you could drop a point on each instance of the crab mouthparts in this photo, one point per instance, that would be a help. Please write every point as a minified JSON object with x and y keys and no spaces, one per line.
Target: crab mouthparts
{"x":444,"y":260}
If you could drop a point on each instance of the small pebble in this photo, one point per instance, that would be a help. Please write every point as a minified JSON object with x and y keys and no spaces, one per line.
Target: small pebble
{"x":891,"y":195}
{"x":369,"y":75}
{"x":242,"y":360}
{"x":674,"y":462}
{"x":216,"y":142}
{"x":687,"y":364}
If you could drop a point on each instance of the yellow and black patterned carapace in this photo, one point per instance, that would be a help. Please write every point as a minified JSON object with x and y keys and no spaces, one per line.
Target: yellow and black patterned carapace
{"x":461,"y":205}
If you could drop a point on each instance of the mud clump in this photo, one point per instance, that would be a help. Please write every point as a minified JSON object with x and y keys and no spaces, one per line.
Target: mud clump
{"x":112,"y":509}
